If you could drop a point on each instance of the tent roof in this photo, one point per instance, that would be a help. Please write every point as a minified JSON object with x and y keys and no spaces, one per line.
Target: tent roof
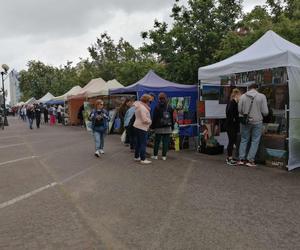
{"x":270,"y":51}
{"x":46,"y":97}
{"x":72,"y":91}
{"x":31,"y":100}
{"x":104,"y":89}
{"x":91,"y":87}
{"x":153,"y":82}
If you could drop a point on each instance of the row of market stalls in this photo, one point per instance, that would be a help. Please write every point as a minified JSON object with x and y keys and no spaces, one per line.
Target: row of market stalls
{"x":272,"y":62}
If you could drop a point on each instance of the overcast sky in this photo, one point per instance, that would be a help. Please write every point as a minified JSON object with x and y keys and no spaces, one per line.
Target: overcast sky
{"x":55,"y":31}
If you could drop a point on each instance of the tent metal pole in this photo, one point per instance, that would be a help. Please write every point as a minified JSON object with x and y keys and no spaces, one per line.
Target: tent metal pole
{"x":198,"y":116}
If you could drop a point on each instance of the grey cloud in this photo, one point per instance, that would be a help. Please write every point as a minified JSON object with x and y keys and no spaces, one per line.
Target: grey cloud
{"x":65,"y":18}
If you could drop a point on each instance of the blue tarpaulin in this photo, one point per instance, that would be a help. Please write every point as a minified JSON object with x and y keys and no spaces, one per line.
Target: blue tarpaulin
{"x":152,"y":83}
{"x":55,"y":102}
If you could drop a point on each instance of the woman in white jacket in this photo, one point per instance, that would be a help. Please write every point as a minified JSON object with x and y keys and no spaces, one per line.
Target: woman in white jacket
{"x":141,"y":126}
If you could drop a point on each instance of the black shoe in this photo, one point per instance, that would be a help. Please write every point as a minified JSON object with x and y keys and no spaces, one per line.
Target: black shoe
{"x":231,"y":162}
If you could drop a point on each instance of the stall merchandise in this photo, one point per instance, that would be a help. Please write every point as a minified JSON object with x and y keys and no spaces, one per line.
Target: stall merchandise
{"x":274,"y":64}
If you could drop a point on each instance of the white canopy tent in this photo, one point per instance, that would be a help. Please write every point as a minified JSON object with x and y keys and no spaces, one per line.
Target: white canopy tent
{"x":73,"y":91}
{"x":91,"y":87}
{"x":46,"y":98}
{"x":103,"y":90}
{"x":270,"y":51}
{"x":30,"y":101}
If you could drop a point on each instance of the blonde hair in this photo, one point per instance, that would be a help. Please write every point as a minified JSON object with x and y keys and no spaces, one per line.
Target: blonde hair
{"x":99,"y":101}
{"x":234,"y":93}
{"x":145,"y":98}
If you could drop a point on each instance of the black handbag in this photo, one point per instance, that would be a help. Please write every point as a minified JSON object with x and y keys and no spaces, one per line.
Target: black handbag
{"x":245,"y":118}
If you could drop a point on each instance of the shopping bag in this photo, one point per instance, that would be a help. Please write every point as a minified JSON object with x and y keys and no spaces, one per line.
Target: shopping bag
{"x":123,"y":137}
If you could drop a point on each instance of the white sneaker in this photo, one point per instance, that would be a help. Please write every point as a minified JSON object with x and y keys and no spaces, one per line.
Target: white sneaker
{"x":137,"y":159}
{"x":164,"y":158}
{"x":146,"y":161}
{"x":97,"y":154}
{"x":154,"y":157}
{"x":101,"y":151}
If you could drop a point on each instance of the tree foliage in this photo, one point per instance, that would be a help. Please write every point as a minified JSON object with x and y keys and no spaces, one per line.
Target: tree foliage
{"x":202,"y":32}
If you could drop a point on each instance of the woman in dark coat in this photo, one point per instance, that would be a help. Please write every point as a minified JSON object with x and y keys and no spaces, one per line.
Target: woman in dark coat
{"x":232,"y":124}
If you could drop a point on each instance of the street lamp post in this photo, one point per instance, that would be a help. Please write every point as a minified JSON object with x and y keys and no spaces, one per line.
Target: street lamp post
{"x":4,"y":71}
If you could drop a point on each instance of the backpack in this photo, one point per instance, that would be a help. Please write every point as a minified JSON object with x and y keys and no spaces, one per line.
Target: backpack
{"x":166,"y":119}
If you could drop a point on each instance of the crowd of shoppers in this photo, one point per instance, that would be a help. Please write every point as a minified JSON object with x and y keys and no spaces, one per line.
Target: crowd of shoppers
{"x":29,"y":113}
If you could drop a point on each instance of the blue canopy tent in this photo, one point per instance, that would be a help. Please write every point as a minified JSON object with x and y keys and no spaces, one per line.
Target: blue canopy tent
{"x":152,"y":83}
{"x":55,"y":102}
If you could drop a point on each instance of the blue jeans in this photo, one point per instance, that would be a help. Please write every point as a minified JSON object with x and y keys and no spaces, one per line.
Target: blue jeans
{"x":30,"y":121}
{"x":99,"y":140}
{"x":253,"y":132}
{"x":141,"y":144}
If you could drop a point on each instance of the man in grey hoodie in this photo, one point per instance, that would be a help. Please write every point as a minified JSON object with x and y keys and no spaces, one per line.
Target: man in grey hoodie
{"x":253,"y":129}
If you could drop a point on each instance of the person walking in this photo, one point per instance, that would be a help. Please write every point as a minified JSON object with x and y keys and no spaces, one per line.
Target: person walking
{"x":59,"y":113}
{"x":37,"y":111}
{"x":52,"y":115}
{"x":30,"y":115}
{"x":163,"y":125}
{"x":141,"y":126}
{"x":252,"y":107}
{"x":232,"y":124}
{"x":46,"y":113}
{"x":100,"y":118}
{"x":122,"y":112}
{"x":128,"y":124}
{"x":80,"y":116}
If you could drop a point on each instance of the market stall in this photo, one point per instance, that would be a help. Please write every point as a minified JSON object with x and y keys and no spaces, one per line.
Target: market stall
{"x":63,"y":100}
{"x":46,"y":98}
{"x":182,"y":98}
{"x":76,"y":101}
{"x":274,"y":64}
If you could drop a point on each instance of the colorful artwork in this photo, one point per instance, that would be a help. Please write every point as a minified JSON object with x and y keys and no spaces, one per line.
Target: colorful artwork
{"x":201,"y":108}
{"x":225,"y":92}
{"x":86,"y":113}
{"x":210,"y":92}
{"x":280,"y":96}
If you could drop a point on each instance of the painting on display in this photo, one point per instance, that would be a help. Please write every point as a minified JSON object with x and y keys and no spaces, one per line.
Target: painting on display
{"x":280,"y":96}
{"x":225,"y":92}
{"x":201,"y":108}
{"x":210,"y":92}
{"x":213,"y":127}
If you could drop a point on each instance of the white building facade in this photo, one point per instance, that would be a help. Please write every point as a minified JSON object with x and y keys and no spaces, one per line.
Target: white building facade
{"x":14,"y":87}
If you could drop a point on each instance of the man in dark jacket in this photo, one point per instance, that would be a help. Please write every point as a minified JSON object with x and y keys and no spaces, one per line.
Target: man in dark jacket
{"x":37,"y":111}
{"x":30,"y":115}
{"x":163,"y":125}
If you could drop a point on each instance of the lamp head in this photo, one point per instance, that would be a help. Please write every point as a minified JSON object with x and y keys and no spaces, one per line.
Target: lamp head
{"x":5,"y":68}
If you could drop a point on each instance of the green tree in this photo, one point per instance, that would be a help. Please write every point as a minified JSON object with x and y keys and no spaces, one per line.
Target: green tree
{"x":121,"y":60}
{"x":196,"y":34}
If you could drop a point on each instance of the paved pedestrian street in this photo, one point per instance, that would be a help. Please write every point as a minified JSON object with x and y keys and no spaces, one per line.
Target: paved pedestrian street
{"x":54,"y":194}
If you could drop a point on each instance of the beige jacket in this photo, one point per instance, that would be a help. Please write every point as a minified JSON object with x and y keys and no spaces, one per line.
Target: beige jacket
{"x":142,"y":116}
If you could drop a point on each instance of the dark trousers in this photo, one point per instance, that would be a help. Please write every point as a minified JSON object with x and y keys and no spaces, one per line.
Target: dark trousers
{"x":141,"y":144}
{"x":59,"y":117}
{"x":38,"y":121}
{"x":232,"y":137}
{"x":165,"y":138}
{"x":131,"y":136}
{"x":46,"y":119}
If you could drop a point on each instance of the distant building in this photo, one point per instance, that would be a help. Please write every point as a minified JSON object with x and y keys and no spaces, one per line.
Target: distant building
{"x":15,"y":93}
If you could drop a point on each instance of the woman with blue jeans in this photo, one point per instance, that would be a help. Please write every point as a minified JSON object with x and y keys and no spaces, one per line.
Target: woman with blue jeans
{"x":99,"y":117}
{"x":141,"y":126}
